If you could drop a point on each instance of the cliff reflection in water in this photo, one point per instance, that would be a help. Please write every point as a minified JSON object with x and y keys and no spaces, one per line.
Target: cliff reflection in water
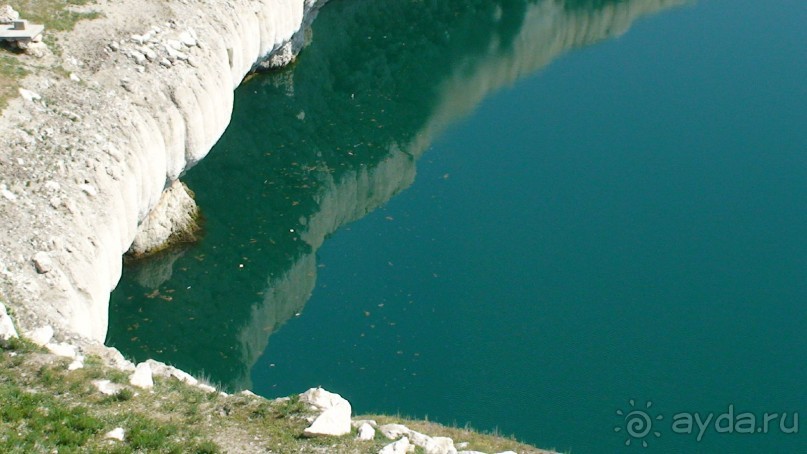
{"x":321,"y":144}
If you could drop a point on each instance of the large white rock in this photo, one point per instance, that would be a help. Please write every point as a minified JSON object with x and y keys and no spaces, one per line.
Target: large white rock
{"x":61,"y":349}
{"x":397,"y":447}
{"x":142,"y":376}
{"x":335,"y":417}
{"x":41,"y":335}
{"x":164,"y":370}
{"x":323,"y":399}
{"x":366,"y":432}
{"x":394,"y":431}
{"x":42,"y":262}
{"x":7,"y":330}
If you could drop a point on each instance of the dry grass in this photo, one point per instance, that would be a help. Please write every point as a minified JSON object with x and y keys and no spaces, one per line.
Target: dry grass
{"x":47,"y":408}
{"x":56,"y":15}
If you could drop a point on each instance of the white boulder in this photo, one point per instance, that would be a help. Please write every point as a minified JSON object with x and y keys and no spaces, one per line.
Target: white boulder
{"x":394,"y":431}
{"x":335,"y":417}
{"x":7,"y":330}
{"x":366,"y":432}
{"x":41,"y":335}
{"x":142,"y":377}
{"x":42,"y":262}
{"x":61,"y":349}
{"x":397,"y":447}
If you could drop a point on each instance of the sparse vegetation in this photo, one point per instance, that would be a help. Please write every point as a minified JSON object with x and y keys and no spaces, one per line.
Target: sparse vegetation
{"x":47,"y":408}
{"x":56,"y":15}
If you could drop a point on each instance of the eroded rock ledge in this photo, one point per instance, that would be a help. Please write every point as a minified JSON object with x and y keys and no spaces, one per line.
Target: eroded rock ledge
{"x":138,"y":97}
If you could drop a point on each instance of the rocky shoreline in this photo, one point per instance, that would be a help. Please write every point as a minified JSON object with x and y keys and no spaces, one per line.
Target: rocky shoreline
{"x":130,"y":101}
{"x":92,"y":151}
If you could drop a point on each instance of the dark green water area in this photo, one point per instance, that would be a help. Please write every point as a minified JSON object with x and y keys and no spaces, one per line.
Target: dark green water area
{"x":536,"y":217}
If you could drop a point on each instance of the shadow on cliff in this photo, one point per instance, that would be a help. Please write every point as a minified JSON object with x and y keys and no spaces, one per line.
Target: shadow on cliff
{"x":321,"y":144}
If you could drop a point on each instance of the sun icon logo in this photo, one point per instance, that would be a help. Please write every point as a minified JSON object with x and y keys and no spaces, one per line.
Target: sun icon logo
{"x":638,"y":423}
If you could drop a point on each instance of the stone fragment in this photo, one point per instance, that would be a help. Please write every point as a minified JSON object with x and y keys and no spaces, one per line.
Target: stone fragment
{"x":356,"y":423}
{"x":397,"y":447}
{"x":335,"y":417}
{"x":7,"y":330}
{"x":77,"y":363}
{"x":187,"y":39}
{"x":393,"y":431}
{"x":41,"y":335}
{"x":142,"y":377}
{"x":88,"y":189}
{"x":29,"y":95}
{"x":206,"y":388}
{"x":116,"y":434}
{"x":106,"y":387}
{"x":61,"y":349}
{"x":42,"y":262}
{"x":8,"y":194}
{"x":366,"y":432}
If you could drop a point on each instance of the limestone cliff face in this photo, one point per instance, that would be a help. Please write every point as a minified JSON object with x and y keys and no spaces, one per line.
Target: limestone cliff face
{"x":155,"y":95}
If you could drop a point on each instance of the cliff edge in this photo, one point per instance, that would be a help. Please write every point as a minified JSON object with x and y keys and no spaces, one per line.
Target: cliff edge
{"x":130,"y":101}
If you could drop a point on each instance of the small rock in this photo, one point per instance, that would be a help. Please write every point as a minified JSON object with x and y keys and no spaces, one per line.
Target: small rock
{"x":7,"y":330}
{"x":366,"y":432}
{"x":36,"y":49}
{"x":393,"y":431}
{"x":142,"y":377}
{"x":206,"y":388}
{"x":42,"y":262}
{"x":41,"y":335}
{"x":440,"y":445}
{"x":77,"y":363}
{"x":186,"y":39}
{"x":8,"y":194}
{"x":398,"y":447}
{"x":356,"y":423}
{"x":173,"y":44}
{"x":114,"y":46}
{"x":29,"y":95}
{"x":52,"y":186}
{"x":106,"y":387}
{"x":74,"y":77}
{"x":149,"y":53}
{"x":139,"y":58}
{"x":61,"y":349}
{"x":88,"y":189}
{"x":248,"y":393}
{"x":165,"y":62}
{"x":138,"y":39}
{"x":116,"y":434}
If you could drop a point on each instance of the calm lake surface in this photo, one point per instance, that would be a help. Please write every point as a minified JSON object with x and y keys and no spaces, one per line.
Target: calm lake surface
{"x":518,"y":215}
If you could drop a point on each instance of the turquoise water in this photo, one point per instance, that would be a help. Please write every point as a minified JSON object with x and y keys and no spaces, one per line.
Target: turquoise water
{"x":522,"y":219}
